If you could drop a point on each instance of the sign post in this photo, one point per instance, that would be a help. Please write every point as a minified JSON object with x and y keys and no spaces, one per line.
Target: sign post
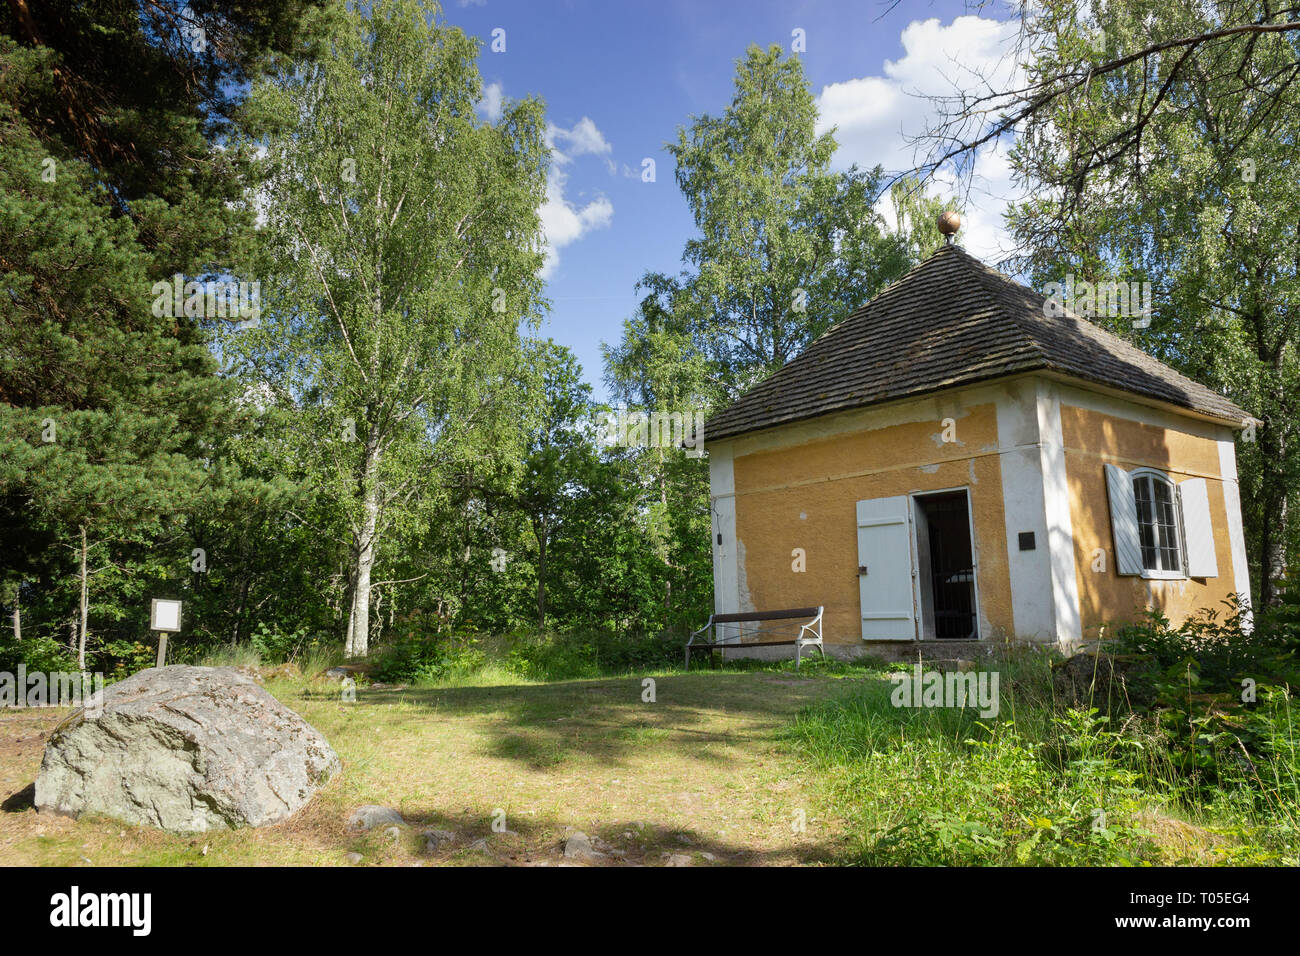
{"x":164,"y":617}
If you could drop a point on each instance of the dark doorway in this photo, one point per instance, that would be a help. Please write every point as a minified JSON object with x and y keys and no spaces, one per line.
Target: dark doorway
{"x":947,"y":566}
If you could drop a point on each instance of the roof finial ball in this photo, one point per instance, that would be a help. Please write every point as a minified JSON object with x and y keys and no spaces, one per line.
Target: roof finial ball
{"x":949,"y":223}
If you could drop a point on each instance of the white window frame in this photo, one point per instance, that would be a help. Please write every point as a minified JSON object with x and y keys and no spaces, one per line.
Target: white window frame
{"x":1161,"y":574}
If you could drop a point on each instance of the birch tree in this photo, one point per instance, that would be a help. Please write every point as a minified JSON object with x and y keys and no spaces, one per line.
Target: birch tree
{"x":403,"y":247}
{"x":787,"y":245}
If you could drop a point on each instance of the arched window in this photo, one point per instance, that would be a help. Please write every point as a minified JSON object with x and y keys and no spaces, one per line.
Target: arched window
{"x":1159,"y":528}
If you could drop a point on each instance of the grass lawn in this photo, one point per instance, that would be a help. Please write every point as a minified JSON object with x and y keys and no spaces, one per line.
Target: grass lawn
{"x":751,"y":764}
{"x":697,"y":775}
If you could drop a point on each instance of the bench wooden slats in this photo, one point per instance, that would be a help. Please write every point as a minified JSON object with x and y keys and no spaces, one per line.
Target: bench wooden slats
{"x":765,"y":615}
{"x":722,"y":645}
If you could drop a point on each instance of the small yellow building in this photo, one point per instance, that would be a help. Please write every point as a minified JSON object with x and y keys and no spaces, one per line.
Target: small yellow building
{"x":953,"y":462}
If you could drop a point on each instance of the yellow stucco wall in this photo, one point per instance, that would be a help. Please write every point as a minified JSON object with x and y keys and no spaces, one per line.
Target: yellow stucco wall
{"x":1093,"y":439}
{"x":805,"y":496}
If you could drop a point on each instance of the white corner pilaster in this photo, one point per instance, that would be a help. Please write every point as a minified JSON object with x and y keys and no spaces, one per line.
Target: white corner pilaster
{"x":1032,"y":609}
{"x":1060,"y":527}
{"x":1232,"y":505}
{"x":722,"y":505}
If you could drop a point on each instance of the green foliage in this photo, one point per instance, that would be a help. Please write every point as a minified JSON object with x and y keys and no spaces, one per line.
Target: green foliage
{"x":786,"y":246}
{"x":412,"y":659}
{"x":403,"y":237}
{"x":123,"y":658}
{"x":1056,"y":786}
{"x":940,"y":788}
{"x":592,"y":654}
{"x":1006,"y":806}
{"x":1222,"y":697}
{"x":656,"y":370}
{"x":1180,"y":169}
{"x":106,"y":406}
{"x":275,"y":646}
{"x":1048,"y":785}
{"x":110,"y":416}
{"x":965,"y":792}
{"x":37,"y":654}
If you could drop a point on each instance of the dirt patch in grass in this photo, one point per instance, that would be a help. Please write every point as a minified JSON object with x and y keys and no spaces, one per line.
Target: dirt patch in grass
{"x":510,"y":771}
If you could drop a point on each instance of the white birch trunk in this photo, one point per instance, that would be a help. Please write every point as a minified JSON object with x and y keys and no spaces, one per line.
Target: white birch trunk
{"x":85,"y":607}
{"x":364,"y":560}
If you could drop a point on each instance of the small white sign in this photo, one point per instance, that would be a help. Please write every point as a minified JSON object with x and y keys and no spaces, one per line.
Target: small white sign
{"x":165,"y":615}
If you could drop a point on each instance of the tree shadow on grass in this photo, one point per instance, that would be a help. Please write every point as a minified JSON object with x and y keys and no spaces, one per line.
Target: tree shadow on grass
{"x":607,"y":719}
{"x":541,"y":841}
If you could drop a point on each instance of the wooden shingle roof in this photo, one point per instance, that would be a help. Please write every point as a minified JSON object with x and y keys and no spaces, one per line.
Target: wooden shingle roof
{"x":951,"y":321}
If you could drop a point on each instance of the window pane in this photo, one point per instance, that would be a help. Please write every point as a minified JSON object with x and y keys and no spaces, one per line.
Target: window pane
{"x":1146,"y":523}
{"x":1167,"y":525}
{"x":1157,"y":524}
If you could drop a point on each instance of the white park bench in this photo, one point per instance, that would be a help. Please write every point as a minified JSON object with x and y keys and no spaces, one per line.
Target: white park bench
{"x":717,"y":638}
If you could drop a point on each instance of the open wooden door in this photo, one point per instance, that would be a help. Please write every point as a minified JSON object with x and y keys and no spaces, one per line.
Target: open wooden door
{"x":885,"y":570}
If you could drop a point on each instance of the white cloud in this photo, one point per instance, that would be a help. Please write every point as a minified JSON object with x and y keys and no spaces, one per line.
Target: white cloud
{"x":490,"y":106}
{"x":564,"y":223}
{"x":874,"y":116}
{"x":983,"y":232}
{"x":584,"y":139}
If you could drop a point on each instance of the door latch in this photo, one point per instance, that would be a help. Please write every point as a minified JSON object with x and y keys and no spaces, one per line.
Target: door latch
{"x":862,"y":570}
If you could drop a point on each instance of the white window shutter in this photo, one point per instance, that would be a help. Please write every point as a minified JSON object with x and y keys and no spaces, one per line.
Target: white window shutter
{"x":1197,"y":530}
{"x":1123,"y":521}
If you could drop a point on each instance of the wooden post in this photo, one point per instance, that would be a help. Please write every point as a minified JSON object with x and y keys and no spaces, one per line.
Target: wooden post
{"x":162,"y":648}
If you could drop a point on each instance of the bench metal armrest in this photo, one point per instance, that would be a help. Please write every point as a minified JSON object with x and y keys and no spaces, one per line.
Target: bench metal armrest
{"x":814,"y":626}
{"x":691,"y":639}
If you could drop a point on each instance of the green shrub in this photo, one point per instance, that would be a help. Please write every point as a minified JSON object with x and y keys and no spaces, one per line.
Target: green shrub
{"x":275,"y":646}
{"x":584,"y":654}
{"x":36,"y":654}
{"x":1220,"y":694}
{"x":124,"y":658}
{"x":525,"y":655}
{"x":411,"y":659}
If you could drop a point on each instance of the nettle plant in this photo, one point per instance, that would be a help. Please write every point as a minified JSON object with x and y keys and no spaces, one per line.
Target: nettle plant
{"x":1221,"y":694}
{"x":1010,"y":801}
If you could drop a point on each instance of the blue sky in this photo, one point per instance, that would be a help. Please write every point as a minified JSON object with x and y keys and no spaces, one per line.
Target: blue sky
{"x":618,"y":78}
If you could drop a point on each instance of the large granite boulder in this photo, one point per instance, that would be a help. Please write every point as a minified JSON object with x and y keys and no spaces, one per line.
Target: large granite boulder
{"x":184,"y":749}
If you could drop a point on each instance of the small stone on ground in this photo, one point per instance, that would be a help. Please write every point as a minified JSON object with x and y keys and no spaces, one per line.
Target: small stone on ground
{"x":372,"y":815}
{"x":578,"y":847}
{"x":435,"y":840}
